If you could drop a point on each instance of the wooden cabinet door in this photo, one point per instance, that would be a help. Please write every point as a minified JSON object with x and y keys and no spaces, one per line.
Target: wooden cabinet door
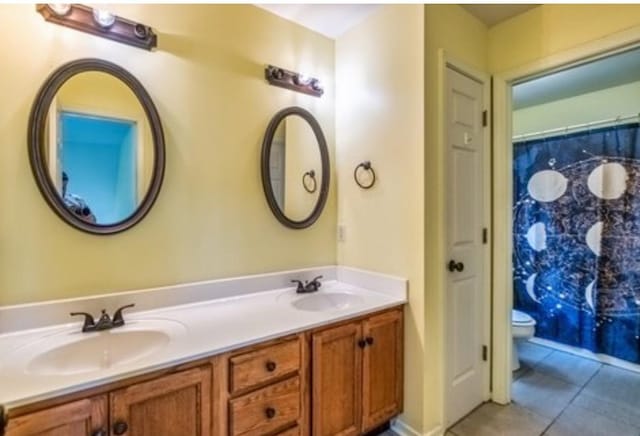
{"x":337,"y":381}
{"x":173,"y":405}
{"x":382,"y":367}
{"x":85,"y":417}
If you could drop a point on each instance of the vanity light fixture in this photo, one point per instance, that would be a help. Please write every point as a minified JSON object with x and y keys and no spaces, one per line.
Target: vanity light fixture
{"x":277,"y":76}
{"x":99,"y":22}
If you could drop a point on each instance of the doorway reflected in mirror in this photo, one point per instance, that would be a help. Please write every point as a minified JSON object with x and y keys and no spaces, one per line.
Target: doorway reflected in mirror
{"x":99,"y":156}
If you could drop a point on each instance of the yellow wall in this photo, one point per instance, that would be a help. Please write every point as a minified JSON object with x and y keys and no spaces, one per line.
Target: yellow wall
{"x":387,"y":112}
{"x":211,"y":219}
{"x":600,"y":105}
{"x":463,"y":37}
{"x":379,"y":117}
{"x":552,"y":28}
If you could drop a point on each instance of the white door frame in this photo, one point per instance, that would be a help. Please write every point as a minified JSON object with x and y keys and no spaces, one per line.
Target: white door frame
{"x":503,"y":189}
{"x":446,"y":60}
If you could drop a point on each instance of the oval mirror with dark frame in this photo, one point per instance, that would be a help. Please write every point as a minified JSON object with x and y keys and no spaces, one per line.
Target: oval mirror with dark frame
{"x":96,"y":146}
{"x":295,"y":167}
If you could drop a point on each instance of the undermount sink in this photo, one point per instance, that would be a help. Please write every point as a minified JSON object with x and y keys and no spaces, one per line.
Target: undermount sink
{"x":325,"y":301}
{"x":77,"y":353}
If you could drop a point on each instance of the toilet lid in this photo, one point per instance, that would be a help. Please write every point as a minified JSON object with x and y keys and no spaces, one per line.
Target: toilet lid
{"x":518,"y":317}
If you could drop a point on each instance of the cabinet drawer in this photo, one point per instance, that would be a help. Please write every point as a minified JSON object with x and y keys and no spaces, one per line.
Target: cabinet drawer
{"x":266,"y":409}
{"x":293,"y":431}
{"x":257,"y":367}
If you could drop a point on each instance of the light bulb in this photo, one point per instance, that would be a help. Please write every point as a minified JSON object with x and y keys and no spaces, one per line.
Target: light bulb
{"x":302,"y":79}
{"x":317,"y":86}
{"x":60,"y":9}
{"x":105,"y":19}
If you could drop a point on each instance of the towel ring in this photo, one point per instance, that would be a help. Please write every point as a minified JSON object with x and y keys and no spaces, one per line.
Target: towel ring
{"x":366,"y":165}
{"x":311,"y":175}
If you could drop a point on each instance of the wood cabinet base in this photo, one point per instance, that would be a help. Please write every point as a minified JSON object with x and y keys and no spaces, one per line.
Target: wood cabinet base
{"x":339,"y":380}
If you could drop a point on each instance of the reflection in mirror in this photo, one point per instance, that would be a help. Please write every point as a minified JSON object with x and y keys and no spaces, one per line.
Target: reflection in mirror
{"x":295,"y":167}
{"x":98,"y":148}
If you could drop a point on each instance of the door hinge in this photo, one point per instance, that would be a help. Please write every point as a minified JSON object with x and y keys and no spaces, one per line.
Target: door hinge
{"x":485,"y":353}
{"x":485,"y":235}
{"x":485,"y":118}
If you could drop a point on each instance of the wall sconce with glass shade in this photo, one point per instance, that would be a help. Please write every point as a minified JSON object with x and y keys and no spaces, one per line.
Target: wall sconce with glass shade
{"x":99,"y":22}
{"x":299,"y":82}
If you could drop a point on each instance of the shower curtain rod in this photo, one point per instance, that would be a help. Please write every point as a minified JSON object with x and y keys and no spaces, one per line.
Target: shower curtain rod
{"x":582,"y":126}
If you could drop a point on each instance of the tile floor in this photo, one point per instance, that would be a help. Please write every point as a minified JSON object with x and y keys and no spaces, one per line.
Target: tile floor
{"x":559,"y":394}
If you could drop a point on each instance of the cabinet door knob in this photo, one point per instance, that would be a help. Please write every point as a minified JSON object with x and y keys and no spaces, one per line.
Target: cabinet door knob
{"x":271,"y":366}
{"x":369,"y":340}
{"x":270,"y":412}
{"x":362,"y":343}
{"x":120,"y":427}
{"x":99,"y":432}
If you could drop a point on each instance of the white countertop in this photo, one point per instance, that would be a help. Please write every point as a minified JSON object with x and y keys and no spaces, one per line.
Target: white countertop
{"x":210,"y":327}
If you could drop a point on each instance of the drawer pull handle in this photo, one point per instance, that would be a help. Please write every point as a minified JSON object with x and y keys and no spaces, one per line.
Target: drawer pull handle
{"x":99,"y":432}
{"x":369,"y":340}
{"x":362,"y":343}
{"x":270,"y":412}
{"x":120,"y":427}
{"x":271,"y":366}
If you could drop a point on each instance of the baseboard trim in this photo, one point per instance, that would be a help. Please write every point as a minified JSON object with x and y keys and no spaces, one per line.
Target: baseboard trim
{"x":437,"y":431}
{"x":602,"y":358}
{"x":401,"y":428}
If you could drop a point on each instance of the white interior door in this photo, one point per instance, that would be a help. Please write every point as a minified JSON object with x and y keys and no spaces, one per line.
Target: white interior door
{"x":466,"y":370}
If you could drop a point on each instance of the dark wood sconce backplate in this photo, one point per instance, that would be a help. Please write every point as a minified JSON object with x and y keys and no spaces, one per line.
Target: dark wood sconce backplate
{"x":80,"y":17}
{"x":277,"y":76}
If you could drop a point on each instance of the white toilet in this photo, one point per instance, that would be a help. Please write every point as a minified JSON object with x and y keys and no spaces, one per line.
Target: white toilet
{"x":523,"y":327}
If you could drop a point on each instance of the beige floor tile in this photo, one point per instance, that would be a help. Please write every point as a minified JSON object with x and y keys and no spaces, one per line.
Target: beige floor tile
{"x":616,"y":409}
{"x":567,"y":367}
{"x":617,"y":386}
{"x":494,"y":420}
{"x":524,"y":369}
{"x":576,"y":420}
{"x":530,"y":354}
{"x":543,"y":395}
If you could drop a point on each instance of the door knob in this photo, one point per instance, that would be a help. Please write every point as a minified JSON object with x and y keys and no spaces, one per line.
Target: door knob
{"x":455,"y":266}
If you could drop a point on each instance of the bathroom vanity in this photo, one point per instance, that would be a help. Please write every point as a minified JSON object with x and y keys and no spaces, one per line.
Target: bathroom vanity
{"x":335,"y":369}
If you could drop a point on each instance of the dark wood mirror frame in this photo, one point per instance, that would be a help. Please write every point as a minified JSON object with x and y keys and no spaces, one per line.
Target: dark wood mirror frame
{"x":266,"y":172}
{"x":36,"y":140}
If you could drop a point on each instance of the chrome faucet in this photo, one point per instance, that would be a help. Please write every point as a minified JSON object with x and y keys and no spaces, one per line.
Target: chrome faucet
{"x":308,"y":286}
{"x":105,"y":322}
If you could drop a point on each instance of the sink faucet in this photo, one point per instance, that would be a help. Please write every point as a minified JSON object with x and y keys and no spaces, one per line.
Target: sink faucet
{"x":105,"y":322}
{"x":308,"y":286}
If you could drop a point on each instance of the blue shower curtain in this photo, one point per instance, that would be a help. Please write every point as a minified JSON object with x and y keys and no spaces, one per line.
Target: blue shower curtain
{"x":576,"y":255}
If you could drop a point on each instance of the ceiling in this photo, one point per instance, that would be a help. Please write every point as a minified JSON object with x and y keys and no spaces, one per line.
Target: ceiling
{"x":332,"y":20}
{"x":491,"y":14}
{"x":605,"y":73}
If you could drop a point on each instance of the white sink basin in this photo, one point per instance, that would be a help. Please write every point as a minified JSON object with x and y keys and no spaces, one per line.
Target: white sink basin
{"x":75,"y":352}
{"x":326,"y":301}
